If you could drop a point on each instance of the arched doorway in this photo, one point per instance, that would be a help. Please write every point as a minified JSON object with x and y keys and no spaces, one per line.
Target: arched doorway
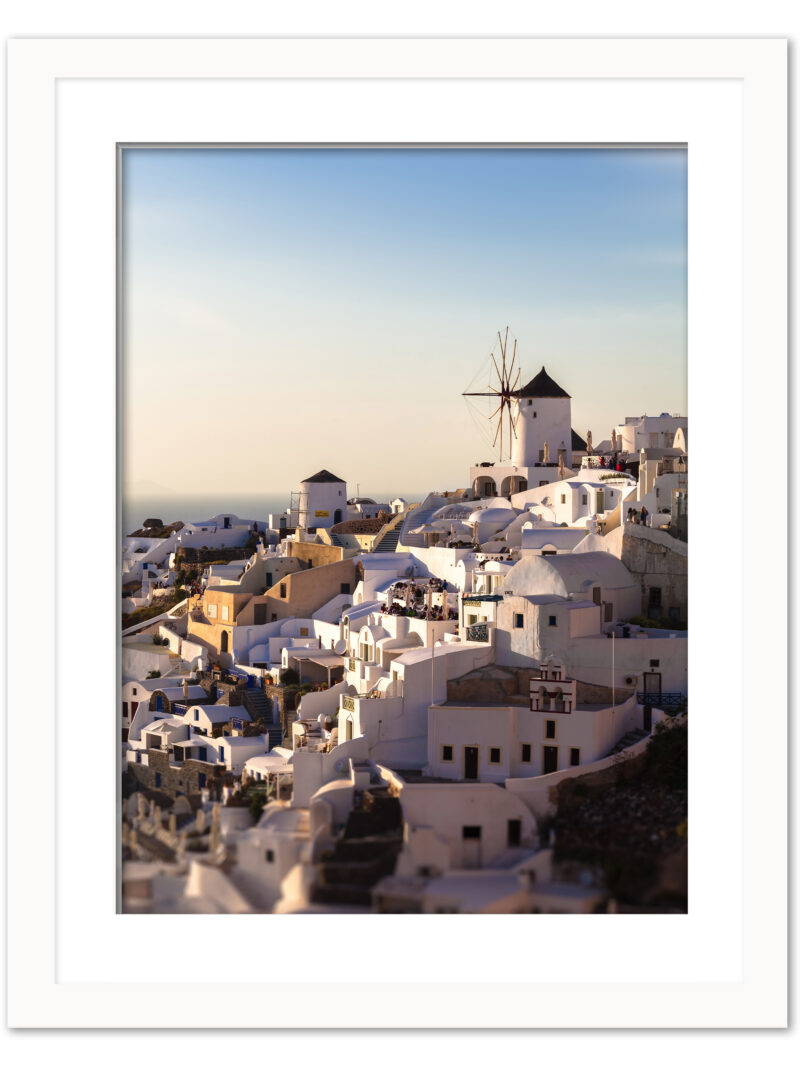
{"x":223,"y":645}
{"x":513,"y":484}
{"x":484,"y":487}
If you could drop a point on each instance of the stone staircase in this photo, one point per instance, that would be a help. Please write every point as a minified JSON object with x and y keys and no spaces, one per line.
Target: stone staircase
{"x":632,"y":737}
{"x":388,"y":543}
{"x":418,"y":517}
{"x":260,"y":707}
{"x":366,"y":852}
{"x":391,"y":536}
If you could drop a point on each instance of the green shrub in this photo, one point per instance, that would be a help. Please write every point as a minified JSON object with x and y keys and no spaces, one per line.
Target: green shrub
{"x":667,"y":756}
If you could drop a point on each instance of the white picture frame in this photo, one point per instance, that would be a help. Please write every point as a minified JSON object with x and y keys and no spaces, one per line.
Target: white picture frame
{"x":70,"y":103}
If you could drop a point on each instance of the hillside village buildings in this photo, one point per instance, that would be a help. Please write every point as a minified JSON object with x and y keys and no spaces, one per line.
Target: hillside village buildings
{"x":368,"y":706}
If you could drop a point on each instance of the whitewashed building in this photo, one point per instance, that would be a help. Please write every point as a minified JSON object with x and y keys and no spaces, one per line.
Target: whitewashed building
{"x":648,"y":431}
{"x":554,"y":731}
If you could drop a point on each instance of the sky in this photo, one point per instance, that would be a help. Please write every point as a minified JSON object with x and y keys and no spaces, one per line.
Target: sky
{"x":287,"y":310}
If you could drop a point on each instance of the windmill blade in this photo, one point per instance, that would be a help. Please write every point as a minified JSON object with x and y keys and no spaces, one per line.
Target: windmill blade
{"x":511,"y":423}
{"x":513,"y":359}
{"x":497,"y":370}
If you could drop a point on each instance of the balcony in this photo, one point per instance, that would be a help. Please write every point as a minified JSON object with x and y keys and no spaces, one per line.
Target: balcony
{"x":479,"y":631}
{"x":661,"y":700}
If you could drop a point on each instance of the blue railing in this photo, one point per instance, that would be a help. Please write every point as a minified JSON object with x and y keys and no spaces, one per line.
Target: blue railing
{"x":479,"y":631}
{"x":661,"y":700}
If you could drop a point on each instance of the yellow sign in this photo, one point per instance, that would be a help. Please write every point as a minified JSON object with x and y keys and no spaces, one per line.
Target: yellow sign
{"x":321,"y":514}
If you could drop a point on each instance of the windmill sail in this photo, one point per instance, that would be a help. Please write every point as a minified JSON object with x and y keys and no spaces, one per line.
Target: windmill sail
{"x":504,"y":376}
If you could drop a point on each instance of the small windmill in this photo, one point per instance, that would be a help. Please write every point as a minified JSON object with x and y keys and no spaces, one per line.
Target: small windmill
{"x":503,"y":391}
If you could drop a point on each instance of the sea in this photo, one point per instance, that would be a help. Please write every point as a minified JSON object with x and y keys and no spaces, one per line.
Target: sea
{"x":192,"y":508}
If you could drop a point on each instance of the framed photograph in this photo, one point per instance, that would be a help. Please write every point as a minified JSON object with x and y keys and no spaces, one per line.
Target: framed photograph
{"x":75,"y":108}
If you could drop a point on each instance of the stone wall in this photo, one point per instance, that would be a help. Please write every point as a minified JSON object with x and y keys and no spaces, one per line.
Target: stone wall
{"x":186,"y":554}
{"x":313,"y":554}
{"x":497,"y":685}
{"x":656,"y":560}
{"x":589,"y":693}
{"x":166,"y":703}
{"x":232,"y":692}
{"x":492,"y":685}
{"x":174,"y":779}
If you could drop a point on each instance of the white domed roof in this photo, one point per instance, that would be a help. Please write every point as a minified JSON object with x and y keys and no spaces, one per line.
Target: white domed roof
{"x":493,"y":502}
{"x":484,"y":515}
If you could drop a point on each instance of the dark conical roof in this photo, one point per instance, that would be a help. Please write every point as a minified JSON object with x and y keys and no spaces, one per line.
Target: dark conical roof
{"x":323,"y":476}
{"x":541,"y":385}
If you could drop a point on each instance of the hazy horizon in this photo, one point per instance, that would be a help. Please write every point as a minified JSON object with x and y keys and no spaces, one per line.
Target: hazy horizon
{"x":287,"y":310}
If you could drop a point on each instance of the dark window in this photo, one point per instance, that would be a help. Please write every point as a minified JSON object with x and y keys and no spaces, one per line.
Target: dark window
{"x":283,"y":590}
{"x":134,"y":692}
{"x":344,"y":587}
{"x":158,"y":780}
{"x":138,"y":757}
{"x":274,"y":617}
{"x":552,"y":621}
{"x":471,"y":833}
{"x":514,"y":833}
{"x":526,"y":753}
{"x":550,"y":728}
{"x":447,"y":753}
{"x":518,"y":622}
{"x":655,"y":662}
{"x":494,"y":755}
{"x":574,"y":757}
{"x":655,"y":598}
{"x":125,"y":709}
{"x":584,"y":498}
{"x":269,"y":856}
